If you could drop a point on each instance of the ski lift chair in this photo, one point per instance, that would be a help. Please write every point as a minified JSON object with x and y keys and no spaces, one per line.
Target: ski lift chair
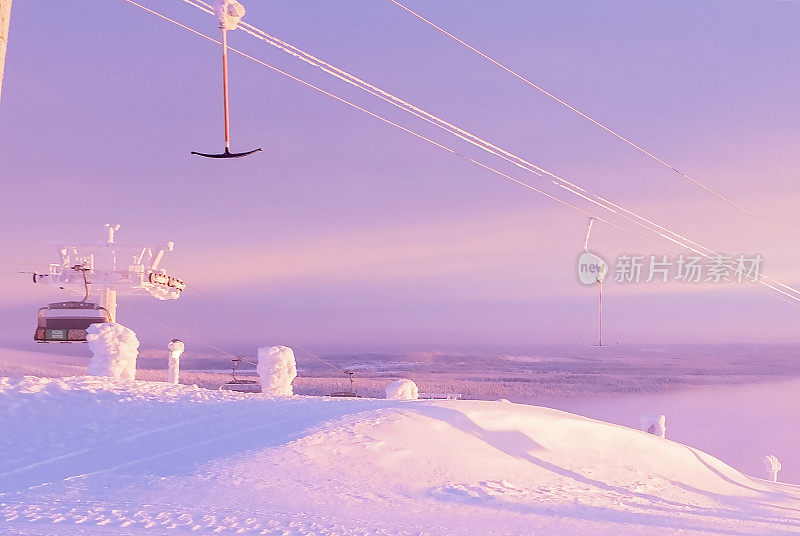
{"x":352,"y":392}
{"x":68,"y":321}
{"x":240,"y":385}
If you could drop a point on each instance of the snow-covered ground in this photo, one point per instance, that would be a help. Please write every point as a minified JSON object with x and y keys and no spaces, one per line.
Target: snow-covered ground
{"x":98,"y":456}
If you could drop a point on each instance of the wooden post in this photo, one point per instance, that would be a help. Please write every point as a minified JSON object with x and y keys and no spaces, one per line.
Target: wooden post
{"x":5,"y":23}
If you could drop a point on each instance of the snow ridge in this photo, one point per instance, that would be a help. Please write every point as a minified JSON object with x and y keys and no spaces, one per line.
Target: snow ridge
{"x":125,"y":457}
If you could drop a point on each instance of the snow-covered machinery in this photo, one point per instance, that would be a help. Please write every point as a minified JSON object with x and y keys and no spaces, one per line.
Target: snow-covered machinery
{"x":99,"y":273}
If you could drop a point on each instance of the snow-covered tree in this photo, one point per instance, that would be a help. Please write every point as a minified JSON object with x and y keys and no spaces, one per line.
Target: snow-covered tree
{"x":277,"y":369}
{"x":114,"y":351}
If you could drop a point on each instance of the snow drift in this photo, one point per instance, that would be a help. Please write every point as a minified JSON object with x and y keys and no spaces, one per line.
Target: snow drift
{"x":402,"y":390}
{"x":105,"y":456}
{"x":114,"y":351}
{"x":277,"y":369}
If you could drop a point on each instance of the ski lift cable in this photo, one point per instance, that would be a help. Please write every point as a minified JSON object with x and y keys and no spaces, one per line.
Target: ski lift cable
{"x":179,"y":332}
{"x":388,"y":121}
{"x":183,"y":334}
{"x":608,"y":129}
{"x":374,"y":90}
{"x":437,"y":121}
{"x":208,"y":345}
{"x":210,"y":297}
{"x":575,"y":189}
{"x":393,"y":123}
{"x":678,"y":239}
{"x":475,"y":140}
{"x":461,"y":133}
{"x":198,"y":340}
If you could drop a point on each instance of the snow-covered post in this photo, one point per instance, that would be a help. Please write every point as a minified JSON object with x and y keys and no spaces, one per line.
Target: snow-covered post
{"x":5,"y":23}
{"x":176,"y":348}
{"x":654,"y":424}
{"x":402,"y":390}
{"x":773,"y":466}
{"x":277,"y":369}
{"x":114,"y":351}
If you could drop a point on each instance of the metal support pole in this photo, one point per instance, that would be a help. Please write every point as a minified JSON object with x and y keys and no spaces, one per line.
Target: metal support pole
{"x":600,"y":283}
{"x":5,"y":24}
{"x":588,"y":234}
{"x":109,"y":302}
{"x":225,"y":89}
{"x":600,"y":317}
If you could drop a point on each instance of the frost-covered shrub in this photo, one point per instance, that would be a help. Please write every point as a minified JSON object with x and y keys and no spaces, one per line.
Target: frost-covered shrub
{"x":176,"y":348}
{"x":402,"y":390}
{"x":773,"y":466}
{"x":114,"y":350}
{"x":277,"y":369}
{"x":654,"y":424}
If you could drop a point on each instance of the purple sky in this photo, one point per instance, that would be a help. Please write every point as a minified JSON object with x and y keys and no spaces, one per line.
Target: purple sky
{"x":348,"y":233}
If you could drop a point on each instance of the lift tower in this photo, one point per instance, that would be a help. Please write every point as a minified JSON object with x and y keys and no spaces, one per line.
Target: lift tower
{"x":5,"y":23}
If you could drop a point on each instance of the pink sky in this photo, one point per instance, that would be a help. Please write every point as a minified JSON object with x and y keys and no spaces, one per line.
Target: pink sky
{"x":346,"y":232}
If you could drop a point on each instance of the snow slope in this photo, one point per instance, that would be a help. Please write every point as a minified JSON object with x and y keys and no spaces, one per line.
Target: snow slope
{"x":20,"y":362}
{"x":99,"y":456}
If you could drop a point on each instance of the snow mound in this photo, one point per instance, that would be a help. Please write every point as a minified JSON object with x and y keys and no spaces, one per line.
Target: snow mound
{"x":277,"y":369}
{"x":402,"y":390}
{"x":114,"y":351}
{"x":105,"y":456}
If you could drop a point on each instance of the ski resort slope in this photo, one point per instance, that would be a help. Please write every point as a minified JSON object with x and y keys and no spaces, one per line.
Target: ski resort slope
{"x":88,"y":455}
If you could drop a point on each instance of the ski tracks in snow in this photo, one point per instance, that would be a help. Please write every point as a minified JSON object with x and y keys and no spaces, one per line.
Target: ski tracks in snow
{"x":55,"y":516}
{"x":176,"y":449}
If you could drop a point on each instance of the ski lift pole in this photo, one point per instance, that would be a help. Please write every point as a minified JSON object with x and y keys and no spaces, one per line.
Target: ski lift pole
{"x":600,"y":287}
{"x":225,"y":89}
{"x":600,"y":317}
{"x":229,"y":13}
{"x":109,"y":303}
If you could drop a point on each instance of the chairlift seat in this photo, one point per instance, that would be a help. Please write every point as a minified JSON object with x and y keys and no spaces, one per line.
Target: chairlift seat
{"x":241,"y":386}
{"x":352,"y":392}
{"x":68,"y":321}
{"x":345,"y":394}
{"x":238,"y":384}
